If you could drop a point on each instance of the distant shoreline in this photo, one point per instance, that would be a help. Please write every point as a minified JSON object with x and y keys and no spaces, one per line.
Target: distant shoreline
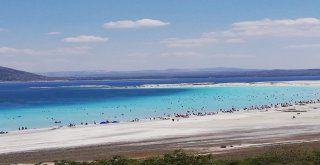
{"x":236,"y":84}
{"x":71,"y":79}
{"x":204,"y":84}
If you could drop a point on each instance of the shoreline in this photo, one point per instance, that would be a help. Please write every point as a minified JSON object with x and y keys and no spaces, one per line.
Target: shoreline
{"x":236,"y":84}
{"x":176,"y":116}
{"x":312,"y":83}
{"x":90,"y":135}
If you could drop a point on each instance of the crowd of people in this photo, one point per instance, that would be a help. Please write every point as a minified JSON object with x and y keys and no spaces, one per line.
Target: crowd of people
{"x":194,"y":112}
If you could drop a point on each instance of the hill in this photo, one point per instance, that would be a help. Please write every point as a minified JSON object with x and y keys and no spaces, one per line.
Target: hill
{"x":182,"y":73}
{"x":8,"y":74}
{"x":168,"y":73}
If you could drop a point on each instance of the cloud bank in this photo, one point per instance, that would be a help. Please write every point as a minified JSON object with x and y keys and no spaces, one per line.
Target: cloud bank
{"x":239,"y":32}
{"x":85,"y":38}
{"x":127,"y":24}
{"x":68,"y":50}
{"x":192,"y":42}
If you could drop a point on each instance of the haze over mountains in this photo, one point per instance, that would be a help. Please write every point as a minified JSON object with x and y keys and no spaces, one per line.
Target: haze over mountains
{"x":142,"y":73}
{"x":182,"y":73}
{"x":8,"y":74}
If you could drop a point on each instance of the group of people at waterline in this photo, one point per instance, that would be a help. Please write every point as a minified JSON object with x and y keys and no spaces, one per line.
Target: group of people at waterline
{"x":175,"y":117}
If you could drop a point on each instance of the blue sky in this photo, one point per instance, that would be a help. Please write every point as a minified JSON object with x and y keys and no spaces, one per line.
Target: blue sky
{"x":66,"y":35}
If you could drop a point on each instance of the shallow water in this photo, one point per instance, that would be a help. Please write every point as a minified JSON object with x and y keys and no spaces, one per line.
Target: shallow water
{"x":23,"y":105}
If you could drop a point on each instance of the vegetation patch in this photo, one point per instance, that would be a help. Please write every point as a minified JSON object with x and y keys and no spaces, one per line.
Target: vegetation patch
{"x":277,"y":156}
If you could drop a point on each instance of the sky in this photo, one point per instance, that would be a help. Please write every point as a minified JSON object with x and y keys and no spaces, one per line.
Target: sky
{"x":125,"y":35}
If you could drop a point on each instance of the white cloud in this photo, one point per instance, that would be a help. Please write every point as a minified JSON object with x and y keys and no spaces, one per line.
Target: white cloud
{"x":191,"y":42}
{"x":126,"y":24}
{"x":71,"y":50}
{"x":138,"y":55}
{"x":275,"y":28}
{"x":231,"y":55}
{"x":57,"y":51}
{"x":305,"y":46}
{"x":182,"y":54}
{"x":85,"y":38}
{"x":54,"y":33}
{"x":11,"y":50}
{"x":239,"y":32}
{"x":235,"y":40}
{"x":4,"y":50}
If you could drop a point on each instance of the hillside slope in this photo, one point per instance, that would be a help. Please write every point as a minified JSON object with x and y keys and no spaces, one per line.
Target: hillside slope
{"x":8,"y":74}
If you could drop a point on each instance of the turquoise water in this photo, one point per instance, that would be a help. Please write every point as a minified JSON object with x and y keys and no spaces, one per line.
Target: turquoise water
{"x":27,"y":105}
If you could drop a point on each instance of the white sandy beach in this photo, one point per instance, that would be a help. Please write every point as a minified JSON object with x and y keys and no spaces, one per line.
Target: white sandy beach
{"x":238,"y":122}
{"x":209,"y":84}
{"x":203,"y":84}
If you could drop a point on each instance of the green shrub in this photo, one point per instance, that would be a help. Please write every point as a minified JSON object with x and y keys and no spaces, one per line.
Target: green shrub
{"x":276,"y":156}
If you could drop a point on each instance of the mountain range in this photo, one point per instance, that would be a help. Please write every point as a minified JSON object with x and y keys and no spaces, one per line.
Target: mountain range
{"x":8,"y":74}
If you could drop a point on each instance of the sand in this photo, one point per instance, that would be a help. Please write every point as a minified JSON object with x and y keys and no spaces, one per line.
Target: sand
{"x":210,"y":84}
{"x":20,"y":141}
{"x":204,"y":84}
